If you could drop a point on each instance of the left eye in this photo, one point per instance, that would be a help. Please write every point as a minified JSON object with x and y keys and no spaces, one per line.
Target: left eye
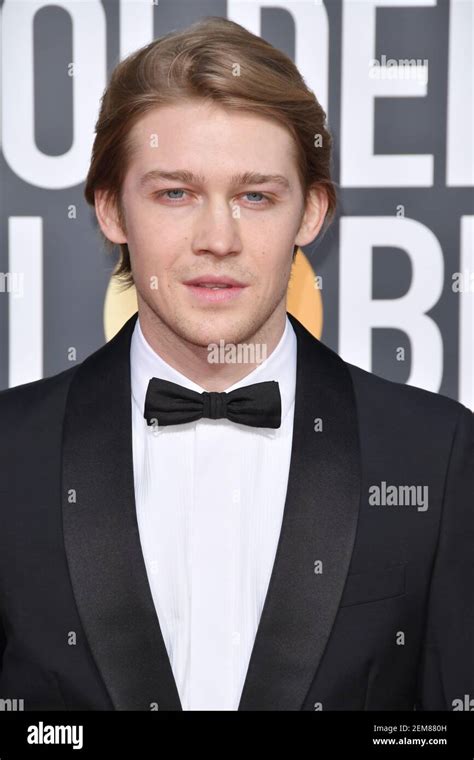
{"x":177,"y":190}
{"x":264,"y":197}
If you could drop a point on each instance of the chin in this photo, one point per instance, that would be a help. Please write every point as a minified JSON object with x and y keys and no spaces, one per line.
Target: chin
{"x":206,"y":337}
{"x":202,"y":329}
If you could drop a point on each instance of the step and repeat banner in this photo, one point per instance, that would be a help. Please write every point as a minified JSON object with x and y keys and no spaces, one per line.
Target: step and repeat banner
{"x":390,"y":286}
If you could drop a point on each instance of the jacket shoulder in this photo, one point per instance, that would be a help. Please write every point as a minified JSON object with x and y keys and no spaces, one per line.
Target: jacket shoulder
{"x":22,"y":400}
{"x":381,"y":401}
{"x":388,"y":399}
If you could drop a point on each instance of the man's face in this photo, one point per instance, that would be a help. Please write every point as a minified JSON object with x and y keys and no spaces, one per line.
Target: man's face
{"x":213,"y":221}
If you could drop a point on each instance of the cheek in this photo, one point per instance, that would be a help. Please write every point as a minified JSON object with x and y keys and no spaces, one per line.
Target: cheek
{"x":142,"y":231}
{"x":144,"y":217}
{"x":153,"y":253}
{"x":155,"y":232}
{"x":277,"y":229}
{"x":273,"y":268}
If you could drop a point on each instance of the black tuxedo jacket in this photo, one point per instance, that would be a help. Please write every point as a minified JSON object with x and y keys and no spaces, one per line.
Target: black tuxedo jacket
{"x":369,"y":606}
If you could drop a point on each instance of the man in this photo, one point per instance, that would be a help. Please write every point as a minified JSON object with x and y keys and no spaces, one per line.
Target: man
{"x":183,"y":533}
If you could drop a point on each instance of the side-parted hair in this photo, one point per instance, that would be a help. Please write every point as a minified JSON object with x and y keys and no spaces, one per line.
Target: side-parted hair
{"x":223,"y":63}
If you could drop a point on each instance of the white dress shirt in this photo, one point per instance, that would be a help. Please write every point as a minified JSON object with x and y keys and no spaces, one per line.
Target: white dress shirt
{"x":210,"y":496}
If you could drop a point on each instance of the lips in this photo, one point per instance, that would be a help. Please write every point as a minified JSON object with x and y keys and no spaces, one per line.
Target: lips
{"x":213,"y":281}
{"x":211,"y":289}
{"x":213,"y":286}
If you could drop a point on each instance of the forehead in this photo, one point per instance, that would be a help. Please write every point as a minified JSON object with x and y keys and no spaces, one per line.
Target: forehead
{"x":206,"y":136}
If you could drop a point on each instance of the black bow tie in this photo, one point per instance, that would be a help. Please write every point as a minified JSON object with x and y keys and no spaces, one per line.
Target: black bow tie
{"x":258,"y":405}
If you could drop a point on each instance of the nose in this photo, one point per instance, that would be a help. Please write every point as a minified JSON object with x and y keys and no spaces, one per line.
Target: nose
{"x":217,"y":229}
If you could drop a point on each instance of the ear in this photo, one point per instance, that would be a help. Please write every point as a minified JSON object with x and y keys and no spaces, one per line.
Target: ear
{"x":315,"y":210}
{"x":108,"y":217}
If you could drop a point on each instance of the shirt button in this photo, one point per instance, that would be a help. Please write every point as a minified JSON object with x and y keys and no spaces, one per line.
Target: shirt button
{"x":236,"y":638}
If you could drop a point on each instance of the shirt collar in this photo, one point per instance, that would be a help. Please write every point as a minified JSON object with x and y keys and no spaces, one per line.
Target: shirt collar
{"x":280,"y":365}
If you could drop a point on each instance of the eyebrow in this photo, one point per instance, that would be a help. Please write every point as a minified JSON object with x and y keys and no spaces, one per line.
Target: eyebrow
{"x":187,"y":177}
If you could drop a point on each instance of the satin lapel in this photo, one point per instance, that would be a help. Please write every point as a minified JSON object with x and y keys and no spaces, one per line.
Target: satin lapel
{"x":101,"y":534}
{"x":319,"y":525}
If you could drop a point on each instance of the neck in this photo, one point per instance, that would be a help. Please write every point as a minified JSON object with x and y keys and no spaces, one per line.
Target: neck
{"x":193,"y":361}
